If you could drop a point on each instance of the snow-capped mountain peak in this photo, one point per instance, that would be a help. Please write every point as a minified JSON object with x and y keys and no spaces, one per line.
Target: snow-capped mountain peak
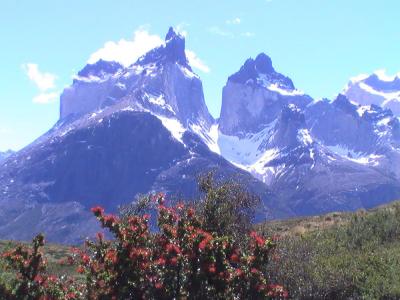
{"x":173,"y":51}
{"x":160,"y":82}
{"x":261,"y":71}
{"x":255,"y":95}
{"x":377,"y":88}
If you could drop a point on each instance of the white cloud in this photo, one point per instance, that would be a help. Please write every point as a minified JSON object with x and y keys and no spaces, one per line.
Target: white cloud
{"x":180,"y":28}
{"x":196,"y":62}
{"x":218,"y":31}
{"x":248,"y":34}
{"x":235,"y":21}
{"x":127,"y":52}
{"x":44,"y":81}
{"x":46,"y":98}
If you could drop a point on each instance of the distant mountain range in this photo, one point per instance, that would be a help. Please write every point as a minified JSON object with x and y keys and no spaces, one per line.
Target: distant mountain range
{"x":125,"y":131}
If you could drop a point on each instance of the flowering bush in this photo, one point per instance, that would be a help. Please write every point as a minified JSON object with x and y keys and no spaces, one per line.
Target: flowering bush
{"x":180,"y":261}
{"x":32,"y":281}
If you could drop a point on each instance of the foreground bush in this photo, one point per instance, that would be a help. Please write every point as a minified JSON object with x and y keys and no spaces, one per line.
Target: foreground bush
{"x":182,"y":260}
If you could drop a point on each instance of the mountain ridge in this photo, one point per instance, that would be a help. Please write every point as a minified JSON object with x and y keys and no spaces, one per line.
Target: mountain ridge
{"x":125,"y":131}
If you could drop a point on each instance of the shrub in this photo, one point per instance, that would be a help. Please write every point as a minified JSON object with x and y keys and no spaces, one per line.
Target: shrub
{"x":182,"y":260}
{"x":226,"y":207}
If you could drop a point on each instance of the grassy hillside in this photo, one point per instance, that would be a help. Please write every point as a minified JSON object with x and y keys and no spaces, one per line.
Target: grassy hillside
{"x":339,"y":255}
{"x":52,"y":253}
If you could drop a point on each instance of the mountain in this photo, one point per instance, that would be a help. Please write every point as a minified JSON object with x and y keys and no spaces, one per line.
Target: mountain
{"x":366,"y":134}
{"x":161,"y":82}
{"x":126,"y":131}
{"x":377,"y":88}
{"x":5,"y":154}
{"x":254,"y":96}
{"x":292,"y":143}
{"x":122,"y":132}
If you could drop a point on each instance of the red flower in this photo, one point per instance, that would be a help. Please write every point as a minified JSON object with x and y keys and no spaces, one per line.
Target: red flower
{"x":239,"y":272}
{"x":39,"y":279}
{"x":254,"y":271}
{"x":110,"y":220}
{"x":100,"y":236}
{"x":158,"y":285}
{"x":285,"y":294}
{"x":71,"y":295}
{"x":111,"y":255}
{"x":212,"y":269}
{"x":234,"y":258}
{"x":97,"y":211}
{"x":173,"y":261}
{"x":161,"y":261}
{"x":259,"y":240}
{"x":190,"y":212}
{"x":85,"y":259}
{"x":203,"y":245}
{"x":172,"y":249}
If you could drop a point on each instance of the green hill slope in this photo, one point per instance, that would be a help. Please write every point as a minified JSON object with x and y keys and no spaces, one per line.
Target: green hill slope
{"x":339,"y":255}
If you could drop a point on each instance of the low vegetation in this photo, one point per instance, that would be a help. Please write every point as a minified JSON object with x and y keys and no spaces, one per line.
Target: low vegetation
{"x":340,"y":255}
{"x":210,"y":250}
{"x":192,"y":255}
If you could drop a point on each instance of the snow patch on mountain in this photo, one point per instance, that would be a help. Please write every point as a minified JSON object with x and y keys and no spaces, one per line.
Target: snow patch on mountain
{"x":303,"y":135}
{"x":244,"y":150}
{"x":357,"y":157}
{"x":174,"y":127}
{"x":284,"y":92}
{"x":377,"y":88}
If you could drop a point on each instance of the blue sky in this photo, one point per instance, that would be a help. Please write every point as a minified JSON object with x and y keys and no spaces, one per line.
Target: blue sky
{"x":320,"y":44}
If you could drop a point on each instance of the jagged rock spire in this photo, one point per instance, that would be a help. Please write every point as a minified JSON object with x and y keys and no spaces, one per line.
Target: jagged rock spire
{"x":172,"y":51}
